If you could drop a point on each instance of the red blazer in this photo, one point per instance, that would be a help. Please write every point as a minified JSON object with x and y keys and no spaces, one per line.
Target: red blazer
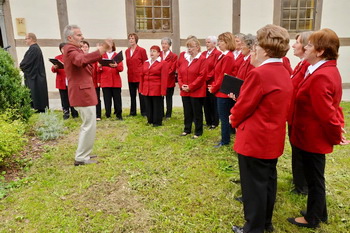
{"x":260,"y":113}
{"x":60,"y":75}
{"x":194,"y":76}
{"x":296,"y":77}
{"x":210,"y":64}
{"x":171,"y":59}
{"x":244,"y":69}
{"x":224,"y":65}
{"x":287,"y":65}
{"x":95,"y":74}
{"x":238,"y":62}
{"x":154,"y":79}
{"x":135,"y":63}
{"x":81,"y":89}
{"x":109,"y":76}
{"x":316,"y":125}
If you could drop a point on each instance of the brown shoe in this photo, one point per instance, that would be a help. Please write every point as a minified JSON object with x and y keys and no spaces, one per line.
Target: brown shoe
{"x":78,"y":163}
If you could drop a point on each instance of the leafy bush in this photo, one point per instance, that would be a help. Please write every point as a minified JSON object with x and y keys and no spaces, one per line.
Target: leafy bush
{"x":12,"y":138}
{"x":49,"y":126}
{"x":13,"y":95}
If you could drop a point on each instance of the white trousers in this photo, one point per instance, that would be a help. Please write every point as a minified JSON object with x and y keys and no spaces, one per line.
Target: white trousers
{"x":87,"y":132}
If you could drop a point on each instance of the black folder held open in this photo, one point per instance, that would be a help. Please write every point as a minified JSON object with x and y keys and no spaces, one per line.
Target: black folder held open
{"x":117,"y":59}
{"x":57,"y":63}
{"x":231,"y":84}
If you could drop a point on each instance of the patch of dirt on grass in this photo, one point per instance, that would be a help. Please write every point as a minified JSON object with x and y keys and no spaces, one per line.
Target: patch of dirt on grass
{"x":119,"y":200}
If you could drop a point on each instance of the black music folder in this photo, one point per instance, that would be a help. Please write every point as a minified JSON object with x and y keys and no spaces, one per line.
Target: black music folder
{"x":117,"y":59}
{"x":57,"y":63}
{"x":231,"y":84}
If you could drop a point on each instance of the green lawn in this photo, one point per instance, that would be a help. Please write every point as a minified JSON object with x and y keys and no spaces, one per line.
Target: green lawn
{"x":152,"y":180}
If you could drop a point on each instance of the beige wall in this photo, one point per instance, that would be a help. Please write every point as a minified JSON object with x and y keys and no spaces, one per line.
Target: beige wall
{"x":99,"y":19}
{"x":40,"y":15}
{"x":203,"y":19}
{"x":255,"y":14}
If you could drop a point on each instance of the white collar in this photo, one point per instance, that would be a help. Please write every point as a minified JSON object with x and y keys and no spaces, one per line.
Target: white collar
{"x":236,"y":53}
{"x":165,"y":54}
{"x":159,"y":59}
{"x":270,"y":60}
{"x":246,"y":57}
{"x":312,"y":68}
{"x":188,"y":58}
{"x":226,"y":52}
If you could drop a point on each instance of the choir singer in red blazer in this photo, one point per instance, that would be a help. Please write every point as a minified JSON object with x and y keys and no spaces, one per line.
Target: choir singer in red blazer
{"x":171,"y":58}
{"x":192,"y":75}
{"x":81,"y":89}
{"x":315,"y":125}
{"x":260,"y":116}
{"x":225,"y":65}
{"x":111,"y":84}
{"x":61,"y":85}
{"x":153,"y":86}
{"x":210,"y":103}
{"x":135,"y":57}
{"x":247,"y":45}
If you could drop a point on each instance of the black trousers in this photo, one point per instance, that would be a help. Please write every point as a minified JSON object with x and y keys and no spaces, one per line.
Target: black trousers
{"x":259,"y":186}
{"x":133,"y":87}
{"x":299,"y":180}
{"x":211,"y":110}
{"x":169,"y":101}
{"x":114,"y":93}
{"x":66,"y":105}
{"x":154,"y":109}
{"x":98,"y":106}
{"x":193,"y":112}
{"x":314,"y":167}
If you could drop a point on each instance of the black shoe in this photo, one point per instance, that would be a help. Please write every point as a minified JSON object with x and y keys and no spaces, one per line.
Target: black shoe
{"x":78,"y":163}
{"x":237,"y":229}
{"x":132,"y":114}
{"x":299,"y":224}
{"x":156,"y":125}
{"x":220,"y":144}
{"x":303,"y":213}
{"x":65,"y":117}
{"x":212,"y":127}
{"x":119,"y":118}
{"x":298,"y":192}
{"x":239,"y":199}
{"x":269,"y":228}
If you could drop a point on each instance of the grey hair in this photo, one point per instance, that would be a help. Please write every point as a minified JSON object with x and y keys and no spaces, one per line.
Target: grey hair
{"x":68,"y":31}
{"x":304,"y":38}
{"x":213,"y":39}
{"x":249,"y":40}
{"x":240,"y":36}
{"x":167,"y":39}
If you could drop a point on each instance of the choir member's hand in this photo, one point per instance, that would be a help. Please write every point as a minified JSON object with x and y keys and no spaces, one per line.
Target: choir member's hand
{"x":185,"y":88}
{"x":210,"y":88}
{"x":344,"y":141}
{"x":113,"y":65}
{"x":232,"y":96}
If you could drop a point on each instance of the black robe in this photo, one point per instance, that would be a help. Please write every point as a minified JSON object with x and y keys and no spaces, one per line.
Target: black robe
{"x":33,"y":68}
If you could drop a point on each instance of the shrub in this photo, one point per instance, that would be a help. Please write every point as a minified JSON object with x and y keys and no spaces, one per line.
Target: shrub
{"x":49,"y":126}
{"x":13,"y":95}
{"x":12,"y":137}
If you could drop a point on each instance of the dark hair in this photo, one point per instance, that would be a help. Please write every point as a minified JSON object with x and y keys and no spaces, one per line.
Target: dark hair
{"x":85,"y":42}
{"x":135,"y":36}
{"x":326,"y":40}
{"x":61,"y":46}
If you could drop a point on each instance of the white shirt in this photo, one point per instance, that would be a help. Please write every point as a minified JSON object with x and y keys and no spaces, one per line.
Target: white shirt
{"x":159,"y":59}
{"x":236,"y":53}
{"x":246,"y":57}
{"x":110,"y":54}
{"x":188,"y":58}
{"x":271,"y":60}
{"x":209,"y":52}
{"x":165,"y":54}
{"x":312,"y":68}
{"x":223,"y":53}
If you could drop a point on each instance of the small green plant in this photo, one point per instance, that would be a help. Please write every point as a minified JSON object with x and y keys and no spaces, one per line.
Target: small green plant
{"x":13,"y":95}
{"x":12,"y":137}
{"x":49,"y":126}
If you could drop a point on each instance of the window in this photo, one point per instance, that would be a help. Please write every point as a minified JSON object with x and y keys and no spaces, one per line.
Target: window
{"x":298,"y":15}
{"x":153,"y":16}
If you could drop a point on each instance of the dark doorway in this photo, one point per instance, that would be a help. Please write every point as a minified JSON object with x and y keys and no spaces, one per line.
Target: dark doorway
{"x":1,"y":41}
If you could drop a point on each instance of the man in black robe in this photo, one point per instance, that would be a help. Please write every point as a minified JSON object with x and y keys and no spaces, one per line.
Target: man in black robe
{"x":33,"y":68}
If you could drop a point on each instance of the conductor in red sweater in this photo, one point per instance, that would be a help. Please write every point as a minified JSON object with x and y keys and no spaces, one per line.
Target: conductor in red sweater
{"x":81,"y":89}
{"x":260,"y":116}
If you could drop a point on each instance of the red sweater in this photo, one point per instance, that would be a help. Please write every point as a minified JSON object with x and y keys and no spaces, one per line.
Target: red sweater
{"x":109,"y":76}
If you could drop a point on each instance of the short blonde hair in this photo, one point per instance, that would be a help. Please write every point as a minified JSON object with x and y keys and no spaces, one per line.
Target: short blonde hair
{"x":274,"y":40}
{"x":194,"y":41}
{"x":229,"y":39}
